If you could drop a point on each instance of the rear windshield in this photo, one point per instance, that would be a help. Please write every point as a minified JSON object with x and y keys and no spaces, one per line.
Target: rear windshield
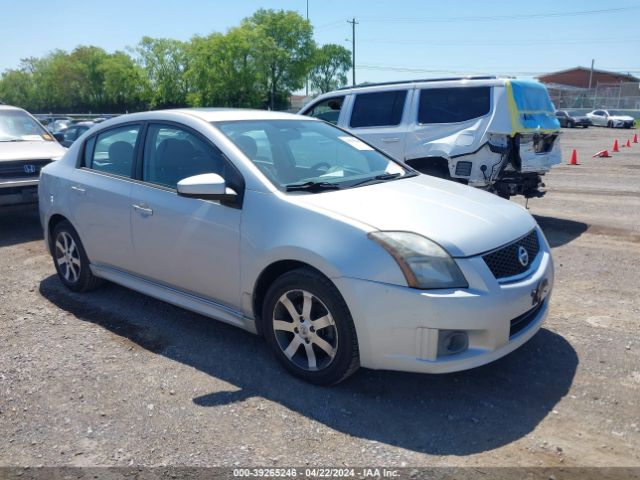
{"x":451,"y":105}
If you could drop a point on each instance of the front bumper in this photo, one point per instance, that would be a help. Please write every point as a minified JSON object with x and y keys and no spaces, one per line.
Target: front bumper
{"x":18,"y":190}
{"x":398,"y":327}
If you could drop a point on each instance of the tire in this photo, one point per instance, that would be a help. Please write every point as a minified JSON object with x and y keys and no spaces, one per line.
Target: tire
{"x":70,"y":259}
{"x":570,"y":124}
{"x":610,"y":124}
{"x":308,"y":327}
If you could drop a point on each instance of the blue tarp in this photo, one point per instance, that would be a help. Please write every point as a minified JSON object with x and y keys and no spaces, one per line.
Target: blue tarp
{"x":535,"y":110}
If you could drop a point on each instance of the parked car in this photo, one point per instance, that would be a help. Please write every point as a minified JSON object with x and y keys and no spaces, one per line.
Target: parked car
{"x":571,"y":119}
{"x":25,"y":147}
{"x":610,"y":118}
{"x":292,"y":228}
{"x":73,"y":132}
{"x":497,"y":134}
{"x":59,"y":125}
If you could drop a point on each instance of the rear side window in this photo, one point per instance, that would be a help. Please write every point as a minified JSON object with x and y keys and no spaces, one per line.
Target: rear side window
{"x":113,"y":150}
{"x":451,"y":105}
{"x":380,"y":109}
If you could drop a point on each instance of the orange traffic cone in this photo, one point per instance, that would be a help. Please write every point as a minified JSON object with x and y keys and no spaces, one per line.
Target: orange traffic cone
{"x":602,"y":154}
{"x":574,"y":158}
{"x":635,"y":138}
{"x":615,"y":146}
{"x":628,"y":144}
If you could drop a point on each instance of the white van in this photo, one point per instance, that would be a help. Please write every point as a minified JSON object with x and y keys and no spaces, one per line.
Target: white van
{"x":498,"y":134}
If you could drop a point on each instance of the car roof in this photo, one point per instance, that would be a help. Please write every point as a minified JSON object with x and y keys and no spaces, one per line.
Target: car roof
{"x":10,"y":107}
{"x":229,"y":114}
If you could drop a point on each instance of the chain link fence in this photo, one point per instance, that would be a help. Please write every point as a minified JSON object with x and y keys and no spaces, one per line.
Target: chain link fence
{"x":619,"y":96}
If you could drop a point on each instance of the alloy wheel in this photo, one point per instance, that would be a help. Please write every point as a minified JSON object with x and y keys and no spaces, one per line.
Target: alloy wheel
{"x":305,"y":330}
{"x":68,"y":257}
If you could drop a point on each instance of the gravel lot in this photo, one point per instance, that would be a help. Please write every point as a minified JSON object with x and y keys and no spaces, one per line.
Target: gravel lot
{"x":116,"y":378}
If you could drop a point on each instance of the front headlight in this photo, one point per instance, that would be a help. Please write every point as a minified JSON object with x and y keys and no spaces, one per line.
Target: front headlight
{"x":424,"y":263}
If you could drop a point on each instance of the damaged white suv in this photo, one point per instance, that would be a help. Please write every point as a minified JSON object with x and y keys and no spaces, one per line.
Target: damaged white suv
{"x":498,"y":134}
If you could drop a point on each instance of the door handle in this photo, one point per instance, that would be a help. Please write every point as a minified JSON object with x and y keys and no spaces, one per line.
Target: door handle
{"x":78,"y":190}
{"x":390,"y":140}
{"x":143,"y":209}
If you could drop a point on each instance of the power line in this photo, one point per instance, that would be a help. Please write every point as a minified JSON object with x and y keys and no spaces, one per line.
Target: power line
{"x":492,"y":18}
{"x":532,"y":42}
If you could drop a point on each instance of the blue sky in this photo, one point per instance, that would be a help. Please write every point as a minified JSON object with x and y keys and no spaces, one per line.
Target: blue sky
{"x":398,"y":39}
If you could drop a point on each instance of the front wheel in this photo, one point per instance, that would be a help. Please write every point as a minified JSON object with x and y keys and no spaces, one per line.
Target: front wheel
{"x":309,"y":328}
{"x":70,"y":259}
{"x":570,"y":124}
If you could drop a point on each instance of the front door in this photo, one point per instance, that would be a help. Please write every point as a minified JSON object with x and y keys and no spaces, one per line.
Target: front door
{"x":190,"y":244}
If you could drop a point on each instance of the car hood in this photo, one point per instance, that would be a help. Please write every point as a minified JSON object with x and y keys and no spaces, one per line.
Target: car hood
{"x":464,"y":220}
{"x":39,"y":150}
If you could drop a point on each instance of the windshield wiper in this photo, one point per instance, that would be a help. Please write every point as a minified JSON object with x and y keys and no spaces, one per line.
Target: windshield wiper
{"x":311,"y":187}
{"x":378,"y":178}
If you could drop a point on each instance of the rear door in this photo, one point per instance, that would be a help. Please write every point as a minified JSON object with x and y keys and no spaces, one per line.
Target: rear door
{"x":380,"y":119}
{"x":187,"y":243}
{"x":99,"y":193}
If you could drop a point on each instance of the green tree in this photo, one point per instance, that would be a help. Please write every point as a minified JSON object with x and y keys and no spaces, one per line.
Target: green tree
{"x":330,"y":66}
{"x":223,"y":70}
{"x":285,"y":51}
{"x":124,"y":83}
{"x":165,"y":62}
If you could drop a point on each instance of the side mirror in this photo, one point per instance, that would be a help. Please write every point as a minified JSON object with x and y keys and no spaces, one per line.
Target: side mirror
{"x":208,"y":186}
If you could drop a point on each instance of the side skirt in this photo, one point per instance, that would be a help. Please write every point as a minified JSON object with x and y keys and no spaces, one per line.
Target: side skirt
{"x":186,"y":300}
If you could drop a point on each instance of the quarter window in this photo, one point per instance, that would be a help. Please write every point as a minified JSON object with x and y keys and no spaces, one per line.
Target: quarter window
{"x":379,"y":109}
{"x":451,"y":105}
{"x":172,"y":154}
{"x":113,"y":152}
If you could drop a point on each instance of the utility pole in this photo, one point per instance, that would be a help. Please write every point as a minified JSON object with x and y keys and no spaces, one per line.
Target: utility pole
{"x":590,"y":76}
{"x":353,"y":48}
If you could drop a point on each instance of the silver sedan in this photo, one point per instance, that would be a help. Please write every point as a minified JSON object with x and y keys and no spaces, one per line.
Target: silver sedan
{"x":291,"y":228}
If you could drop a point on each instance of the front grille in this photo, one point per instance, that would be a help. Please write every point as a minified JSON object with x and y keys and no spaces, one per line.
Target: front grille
{"x":505,"y":261}
{"x":16,"y":168}
{"x":520,"y":323}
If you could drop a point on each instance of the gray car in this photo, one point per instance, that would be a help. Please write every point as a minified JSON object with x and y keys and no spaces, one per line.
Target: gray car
{"x":292,"y":228}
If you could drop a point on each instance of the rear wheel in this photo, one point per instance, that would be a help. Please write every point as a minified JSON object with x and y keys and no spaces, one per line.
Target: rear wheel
{"x":309,"y":328}
{"x":70,"y":259}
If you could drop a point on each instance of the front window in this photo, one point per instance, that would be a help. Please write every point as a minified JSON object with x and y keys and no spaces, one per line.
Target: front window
{"x":172,"y":154}
{"x":327,"y":110}
{"x":18,"y":126}
{"x":298,"y":155}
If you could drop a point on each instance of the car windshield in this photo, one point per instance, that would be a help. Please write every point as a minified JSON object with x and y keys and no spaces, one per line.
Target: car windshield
{"x":17,"y":126}
{"x":310,"y":156}
{"x":575,"y":113}
{"x":614,"y":112}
